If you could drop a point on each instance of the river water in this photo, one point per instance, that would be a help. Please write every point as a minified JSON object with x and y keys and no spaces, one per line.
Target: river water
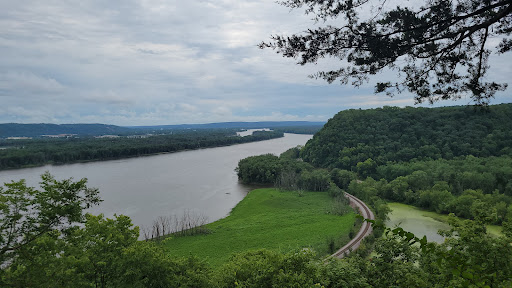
{"x":144,"y":188}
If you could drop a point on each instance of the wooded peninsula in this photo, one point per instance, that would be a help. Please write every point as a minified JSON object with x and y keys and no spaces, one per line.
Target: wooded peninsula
{"x":36,"y":152}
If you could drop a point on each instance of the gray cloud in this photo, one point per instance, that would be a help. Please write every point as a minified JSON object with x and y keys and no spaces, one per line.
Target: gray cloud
{"x":142,"y":62}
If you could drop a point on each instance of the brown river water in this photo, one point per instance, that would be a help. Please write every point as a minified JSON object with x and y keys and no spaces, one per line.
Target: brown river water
{"x":200,"y":181}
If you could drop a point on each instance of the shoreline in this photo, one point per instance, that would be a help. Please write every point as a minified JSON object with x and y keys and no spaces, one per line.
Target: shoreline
{"x":267,"y":219}
{"x":135,"y":156}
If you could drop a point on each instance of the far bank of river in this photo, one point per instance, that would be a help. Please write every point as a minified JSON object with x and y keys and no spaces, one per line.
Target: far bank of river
{"x":144,"y":188}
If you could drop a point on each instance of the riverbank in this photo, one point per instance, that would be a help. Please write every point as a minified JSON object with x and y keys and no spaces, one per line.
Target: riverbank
{"x":50,"y":163}
{"x":41,"y":152}
{"x":271,"y":219}
{"x":144,"y":188}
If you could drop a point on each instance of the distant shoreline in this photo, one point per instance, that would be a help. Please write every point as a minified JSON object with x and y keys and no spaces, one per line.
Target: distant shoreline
{"x":134,"y":156}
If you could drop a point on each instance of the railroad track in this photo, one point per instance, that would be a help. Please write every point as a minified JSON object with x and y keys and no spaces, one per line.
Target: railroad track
{"x":365,"y":230}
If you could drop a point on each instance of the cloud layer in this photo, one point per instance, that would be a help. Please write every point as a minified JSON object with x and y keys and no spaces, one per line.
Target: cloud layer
{"x":148,"y":62}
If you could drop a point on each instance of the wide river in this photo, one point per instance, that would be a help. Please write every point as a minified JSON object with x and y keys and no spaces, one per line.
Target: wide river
{"x":144,"y":188}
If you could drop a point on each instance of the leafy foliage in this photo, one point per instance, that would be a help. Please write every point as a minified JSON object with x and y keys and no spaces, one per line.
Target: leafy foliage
{"x":285,"y":173}
{"x":27,"y":214}
{"x":271,"y":219}
{"x":264,"y":268}
{"x":439,"y":196}
{"x":38,"y":130}
{"x":103,"y":253}
{"x":428,"y":161}
{"x":402,"y":134}
{"x":469,"y":258}
{"x":259,"y":169}
{"x":42,"y":244}
{"x":21,"y":153}
{"x":428,"y":45}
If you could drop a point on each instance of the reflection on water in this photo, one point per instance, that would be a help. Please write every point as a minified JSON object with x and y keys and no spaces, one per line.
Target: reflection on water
{"x":202,"y":181}
{"x":250,"y":131}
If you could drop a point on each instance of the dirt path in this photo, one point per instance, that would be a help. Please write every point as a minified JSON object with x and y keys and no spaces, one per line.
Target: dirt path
{"x":365,"y":230}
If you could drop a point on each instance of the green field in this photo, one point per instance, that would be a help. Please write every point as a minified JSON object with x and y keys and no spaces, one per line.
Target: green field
{"x":272,"y":219}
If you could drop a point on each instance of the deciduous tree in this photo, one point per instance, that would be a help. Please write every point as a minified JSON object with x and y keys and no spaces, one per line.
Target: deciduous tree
{"x":27,"y":214}
{"x":439,"y":49}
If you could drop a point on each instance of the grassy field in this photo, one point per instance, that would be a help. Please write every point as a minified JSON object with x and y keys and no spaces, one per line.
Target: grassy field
{"x":272,"y":219}
{"x":421,"y":222}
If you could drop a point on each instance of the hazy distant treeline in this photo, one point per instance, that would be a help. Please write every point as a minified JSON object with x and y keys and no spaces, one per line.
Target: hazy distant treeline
{"x":34,"y":152}
{"x":41,"y":129}
{"x":37,"y":130}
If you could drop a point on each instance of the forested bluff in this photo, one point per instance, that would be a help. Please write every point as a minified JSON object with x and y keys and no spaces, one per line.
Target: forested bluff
{"x":454,"y":160}
{"x":451,"y":160}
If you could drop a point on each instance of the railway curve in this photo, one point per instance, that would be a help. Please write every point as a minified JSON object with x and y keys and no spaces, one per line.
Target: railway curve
{"x":365,"y":230}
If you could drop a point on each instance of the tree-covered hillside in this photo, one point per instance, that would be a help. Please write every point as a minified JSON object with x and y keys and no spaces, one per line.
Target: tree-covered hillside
{"x":449,"y":160}
{"x":401,"y":134}
{"x":47,"y":240}
{"x":42,"y":129}
{"x":37,"y":130}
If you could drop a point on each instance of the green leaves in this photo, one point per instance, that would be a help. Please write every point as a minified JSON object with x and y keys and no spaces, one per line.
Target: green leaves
{"x":44,"y":151}
{"x":428,"y":45}
{"x":259,"y":169}
{"x":264,"y":268}
{"x":27,"y":214}
{"x":103,"y":253}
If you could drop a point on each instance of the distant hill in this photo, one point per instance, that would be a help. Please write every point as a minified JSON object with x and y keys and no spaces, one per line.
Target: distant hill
{"x":241,"y":125}
{"x":401,"y":134}
{"x":38,"y":130}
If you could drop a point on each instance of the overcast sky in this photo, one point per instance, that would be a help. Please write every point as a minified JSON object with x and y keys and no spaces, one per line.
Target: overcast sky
{"x":145,"y":62}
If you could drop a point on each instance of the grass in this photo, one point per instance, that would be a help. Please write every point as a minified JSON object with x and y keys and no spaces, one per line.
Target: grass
{"x":271,"y":219}
{"x":417,"y":218}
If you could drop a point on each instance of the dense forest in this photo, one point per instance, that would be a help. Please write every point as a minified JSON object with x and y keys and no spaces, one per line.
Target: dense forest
{"x":46,"y":240}
{"x":37,"y":130}
{"x":448,"y":160}
{"x":452,"y":160}
{"x":33,"y":152}
{"x":402,"y":134}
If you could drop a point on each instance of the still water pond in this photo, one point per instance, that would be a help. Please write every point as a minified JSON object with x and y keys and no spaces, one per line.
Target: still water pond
{"x":417,"y":221}
{"x":144,"y":188}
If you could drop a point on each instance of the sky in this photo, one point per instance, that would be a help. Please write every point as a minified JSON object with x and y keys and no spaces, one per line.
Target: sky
{"x":157,"y":62}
